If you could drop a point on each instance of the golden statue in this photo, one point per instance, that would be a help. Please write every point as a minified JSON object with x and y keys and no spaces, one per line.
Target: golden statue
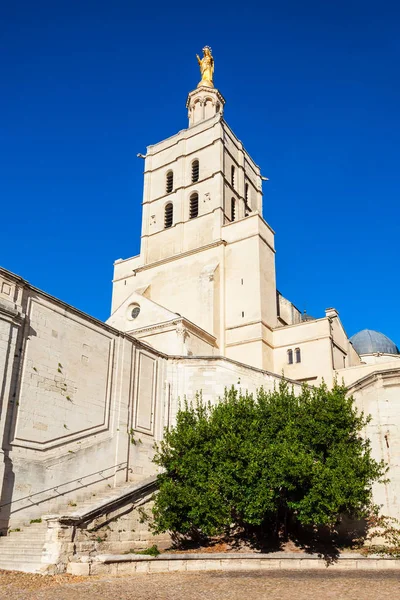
{"x":206,"y":67}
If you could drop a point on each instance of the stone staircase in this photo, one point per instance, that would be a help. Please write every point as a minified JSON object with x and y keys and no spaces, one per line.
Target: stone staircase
{"x":96,"y":502}
{"x":22,"y":550}
{"x":105,"y":521}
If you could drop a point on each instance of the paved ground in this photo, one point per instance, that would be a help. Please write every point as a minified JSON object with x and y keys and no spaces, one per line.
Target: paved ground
{"x":254,"y":585}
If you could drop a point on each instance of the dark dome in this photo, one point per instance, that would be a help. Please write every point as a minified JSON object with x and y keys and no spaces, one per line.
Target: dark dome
{"x":306,"y":317}
{"x":369,"y":341}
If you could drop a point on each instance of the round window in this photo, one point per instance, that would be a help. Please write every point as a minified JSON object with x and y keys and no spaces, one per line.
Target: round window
{"x":135,"y":312}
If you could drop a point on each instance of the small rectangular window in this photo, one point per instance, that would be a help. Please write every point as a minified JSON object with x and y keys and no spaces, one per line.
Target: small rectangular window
{"x":194,"y":206}
{"x":168,"y":215}
{"x":169,"y":182}
{"x":195,"y":171}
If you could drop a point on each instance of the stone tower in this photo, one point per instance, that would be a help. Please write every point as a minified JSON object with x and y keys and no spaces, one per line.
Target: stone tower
{"x":204,"y":282}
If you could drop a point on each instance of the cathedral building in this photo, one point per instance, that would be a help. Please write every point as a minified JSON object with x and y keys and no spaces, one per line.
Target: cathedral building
{"x":204,"y":282}
{"x":82,"y":402}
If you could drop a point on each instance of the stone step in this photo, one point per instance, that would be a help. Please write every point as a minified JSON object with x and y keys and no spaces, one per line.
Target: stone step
{"x":25,"y":567}
{"x":15,"y":552}
{"x":24,"y":531}
{"x":33,"y":527}
{"x":18,"y":565}
{"x":23,"y":544}
{"x":22,"y":541}
{"x":29,"y":536}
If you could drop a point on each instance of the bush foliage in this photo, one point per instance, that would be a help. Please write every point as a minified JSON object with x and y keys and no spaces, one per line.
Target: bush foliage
{"x":258,"y":461}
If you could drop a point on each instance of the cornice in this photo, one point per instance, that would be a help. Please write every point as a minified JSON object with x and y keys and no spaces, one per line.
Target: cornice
{"x":183,"y":155}
{"x":177,"y":223}
{"x":301,"y":323}
{"x":185,"y":133}
{"x":236,"y":139}
{"x":316,"y":339}
{"x":170,"y":196}
{"x":10,"y":313}
{"x":173,"y":258}
{"x":233,"y":362}
{"x":173,"y":323}
{"x":207,"y":90}
{"x":256,"y":322}
{"x":249,"y":341}
{"x":369,"y":379}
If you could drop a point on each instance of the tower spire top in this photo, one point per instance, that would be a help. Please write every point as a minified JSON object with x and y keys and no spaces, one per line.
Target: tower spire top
{"x":205,"y":101}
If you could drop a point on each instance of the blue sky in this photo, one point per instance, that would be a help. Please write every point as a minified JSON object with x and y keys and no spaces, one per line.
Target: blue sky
{"x":312,"y":89}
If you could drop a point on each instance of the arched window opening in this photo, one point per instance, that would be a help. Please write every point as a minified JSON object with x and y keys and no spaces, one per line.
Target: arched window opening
{"x":290,"y":357}
{"x":195,"y":171}
{"x":247,"y":209}
{"x":193,"y":206}
{"x":298,"y":355}
{"x":169,"y":183}
{"x":233,"y":176}
{"x":233,"y":209}
{"x":168,"y":215}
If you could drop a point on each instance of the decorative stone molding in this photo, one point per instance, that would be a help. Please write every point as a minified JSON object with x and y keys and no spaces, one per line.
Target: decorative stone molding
{"x":182,"y":331}
{"x":180,"y":324}
{"x":10,"y":312}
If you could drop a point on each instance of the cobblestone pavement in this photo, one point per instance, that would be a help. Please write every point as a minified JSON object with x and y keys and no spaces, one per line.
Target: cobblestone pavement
{"x":254,"y":585}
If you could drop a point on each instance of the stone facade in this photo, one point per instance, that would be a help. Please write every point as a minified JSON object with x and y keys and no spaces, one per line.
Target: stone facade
{"x":82,"y":402}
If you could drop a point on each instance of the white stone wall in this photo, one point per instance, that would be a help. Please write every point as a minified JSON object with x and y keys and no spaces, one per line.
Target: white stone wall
{"x":72,"y":391}
{"x":288,"y":314}
{"x":211,"y":376}
{"x":378,"y":395}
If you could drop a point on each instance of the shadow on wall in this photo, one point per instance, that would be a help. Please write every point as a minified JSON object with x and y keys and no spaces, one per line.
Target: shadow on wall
{"x":70,"y":487}
{"x":14,"y":354}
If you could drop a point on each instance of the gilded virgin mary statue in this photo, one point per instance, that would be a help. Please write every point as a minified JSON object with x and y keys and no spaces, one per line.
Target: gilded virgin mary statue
{"x":206,"y":67}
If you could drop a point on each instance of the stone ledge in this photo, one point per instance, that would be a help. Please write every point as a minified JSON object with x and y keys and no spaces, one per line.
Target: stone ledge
{"x":135,"y":563}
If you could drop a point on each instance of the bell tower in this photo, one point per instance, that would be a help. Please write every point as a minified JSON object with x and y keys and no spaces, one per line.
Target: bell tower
{"x":206,"y":254}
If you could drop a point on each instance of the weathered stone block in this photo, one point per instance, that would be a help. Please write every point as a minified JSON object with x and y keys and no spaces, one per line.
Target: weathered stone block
{"x":196,"y":565}
{"x":77,"y":568}
{"x":142,"y":566}
{"x":158,"y":566}
{"x":177,"y":565}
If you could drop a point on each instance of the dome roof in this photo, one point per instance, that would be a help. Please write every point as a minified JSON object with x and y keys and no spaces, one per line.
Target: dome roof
{"x":369,"y":341}
{"x":306,"y":317}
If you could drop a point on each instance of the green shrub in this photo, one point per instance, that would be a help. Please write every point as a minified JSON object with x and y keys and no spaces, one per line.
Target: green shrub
{"x":264,"y":461}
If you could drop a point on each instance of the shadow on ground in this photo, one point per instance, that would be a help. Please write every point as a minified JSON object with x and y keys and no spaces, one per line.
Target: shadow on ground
{"x":325,"y":542}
